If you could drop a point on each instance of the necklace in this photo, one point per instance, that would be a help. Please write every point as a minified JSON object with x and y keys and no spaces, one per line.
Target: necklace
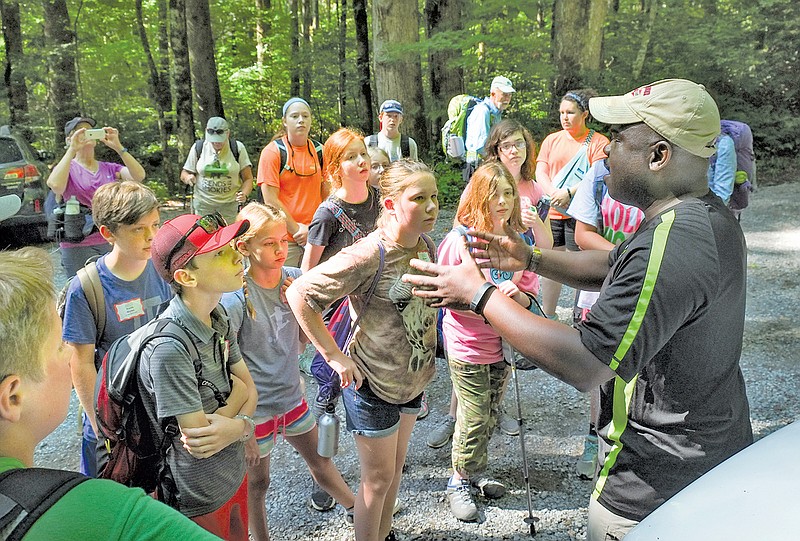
{"x":291,"y":167}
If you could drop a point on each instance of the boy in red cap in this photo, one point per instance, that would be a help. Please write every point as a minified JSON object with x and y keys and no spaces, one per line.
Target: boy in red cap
{"x":195,"y":255}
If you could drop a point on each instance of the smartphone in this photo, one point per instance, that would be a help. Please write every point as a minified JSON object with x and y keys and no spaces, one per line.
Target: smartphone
{"x":95,"y":133}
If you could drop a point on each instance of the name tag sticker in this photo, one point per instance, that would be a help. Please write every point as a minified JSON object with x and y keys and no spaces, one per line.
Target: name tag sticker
{"x":425,"y":256}
{"x":129,"y":310}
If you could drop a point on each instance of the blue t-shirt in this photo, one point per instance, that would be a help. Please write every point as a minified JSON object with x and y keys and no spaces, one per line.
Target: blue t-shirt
{"x":129,"y":305}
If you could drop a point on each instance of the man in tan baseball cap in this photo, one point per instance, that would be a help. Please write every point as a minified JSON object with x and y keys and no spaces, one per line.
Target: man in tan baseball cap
{"x":664,"y":338}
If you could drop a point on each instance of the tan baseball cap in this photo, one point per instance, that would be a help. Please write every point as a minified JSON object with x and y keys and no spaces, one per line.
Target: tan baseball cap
{"x":681,"y":111}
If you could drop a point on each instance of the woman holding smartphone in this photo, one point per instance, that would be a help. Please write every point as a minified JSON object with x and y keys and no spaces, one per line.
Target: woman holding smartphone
{"x":80,"y":174}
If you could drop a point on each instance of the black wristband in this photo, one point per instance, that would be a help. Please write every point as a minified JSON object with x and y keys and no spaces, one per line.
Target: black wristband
{"x":481,"y":297}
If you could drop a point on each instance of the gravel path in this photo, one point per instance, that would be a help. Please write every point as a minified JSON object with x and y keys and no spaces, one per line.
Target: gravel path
{"x":556,"y":417}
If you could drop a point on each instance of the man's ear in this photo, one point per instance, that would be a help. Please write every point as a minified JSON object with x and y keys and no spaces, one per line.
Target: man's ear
{"x":11,"y":398}
{"x":107,"y":234}
{"x":660,"y":155}
{"x":185,"y":277}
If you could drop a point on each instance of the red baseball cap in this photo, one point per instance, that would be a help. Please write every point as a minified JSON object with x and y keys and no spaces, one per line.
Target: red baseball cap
{"x":186,"y":236}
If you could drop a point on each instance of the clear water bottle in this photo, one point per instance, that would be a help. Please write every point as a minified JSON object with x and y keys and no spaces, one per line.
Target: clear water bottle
{"x":328,"y":443}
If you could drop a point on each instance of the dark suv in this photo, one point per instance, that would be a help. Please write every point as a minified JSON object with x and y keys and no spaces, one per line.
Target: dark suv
{"x":24,"y":173}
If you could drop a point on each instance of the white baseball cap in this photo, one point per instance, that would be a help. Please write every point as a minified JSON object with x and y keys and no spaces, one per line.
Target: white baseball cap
{"x":503,"y":84}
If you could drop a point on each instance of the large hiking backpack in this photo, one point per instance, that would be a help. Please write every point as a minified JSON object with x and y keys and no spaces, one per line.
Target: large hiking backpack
{"x":745,"y":179}
{"x":284,"y":165}
{"x":27,"y":493}
{"x":455,"y":129}
{"x":137,"y":454}
{"x":405,"y":146}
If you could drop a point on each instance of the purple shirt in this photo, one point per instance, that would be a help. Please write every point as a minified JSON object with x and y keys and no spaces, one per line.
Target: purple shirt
{"x":82,"y":183}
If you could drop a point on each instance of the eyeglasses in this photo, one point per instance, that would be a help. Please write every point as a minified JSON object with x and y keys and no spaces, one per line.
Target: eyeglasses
{"x":209,"y":223}
{"x":212,"y":131}
{"x":311,"y":153}
{"x":519,"y":145}
{"x":378,"y":167}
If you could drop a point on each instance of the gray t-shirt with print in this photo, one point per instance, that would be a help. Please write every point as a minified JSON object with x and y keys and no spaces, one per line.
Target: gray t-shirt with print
{"x":270,"y":345}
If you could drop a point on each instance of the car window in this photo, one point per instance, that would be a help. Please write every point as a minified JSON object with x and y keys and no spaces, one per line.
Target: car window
{"x":9,"y":151}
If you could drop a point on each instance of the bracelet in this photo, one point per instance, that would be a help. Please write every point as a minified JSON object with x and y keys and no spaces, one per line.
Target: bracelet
{"x":569,"y":193}
{"x":122,"y":151}
{"x":534,"y":259}
{"x":481,"y":297}
{"x":249,"y":434}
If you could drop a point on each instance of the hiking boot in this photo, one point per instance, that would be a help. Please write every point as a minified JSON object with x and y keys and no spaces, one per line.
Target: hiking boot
{"x":508,"y":425}
{"x":423,"y":408}
{"x":439,"y":436}
{"x":587,"y":463}
{"x":489,"y":488}
{"x":460,"y":498}
{"x":320,"y":500}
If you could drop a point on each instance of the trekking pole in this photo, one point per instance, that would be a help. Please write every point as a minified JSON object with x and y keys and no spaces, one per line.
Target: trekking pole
{"x":530,"y":520}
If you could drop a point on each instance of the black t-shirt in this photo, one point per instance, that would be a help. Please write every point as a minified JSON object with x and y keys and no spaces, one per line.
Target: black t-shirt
{"x":326,"y":230}
{"x":669,"y":322}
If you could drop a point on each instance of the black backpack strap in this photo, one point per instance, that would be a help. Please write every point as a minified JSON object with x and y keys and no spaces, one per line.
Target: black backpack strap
{"x":318,"y":147}
{"x":234,"y":149}
{"x":405,"y":147}
{"x":27,"y":493}
{"x":284,"y":154}
{"x":198,"y":149}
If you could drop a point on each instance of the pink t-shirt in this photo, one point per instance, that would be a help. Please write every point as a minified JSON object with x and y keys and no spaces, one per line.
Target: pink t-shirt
{"x":467,"y":336}
{"x":82,"y":183}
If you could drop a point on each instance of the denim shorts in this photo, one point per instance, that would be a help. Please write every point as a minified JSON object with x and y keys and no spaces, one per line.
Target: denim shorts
{"x":371,"y":416}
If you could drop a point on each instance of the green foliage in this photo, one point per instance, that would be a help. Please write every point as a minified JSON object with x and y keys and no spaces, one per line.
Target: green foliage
{"x":449,"y":181}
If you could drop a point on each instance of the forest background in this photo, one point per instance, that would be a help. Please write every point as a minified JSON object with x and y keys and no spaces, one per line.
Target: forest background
{"x":157,"y":69}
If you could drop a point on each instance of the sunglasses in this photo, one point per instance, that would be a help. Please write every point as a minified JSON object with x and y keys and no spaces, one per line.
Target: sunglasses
{"x":212,"y":131}
{"x":210,"y":223}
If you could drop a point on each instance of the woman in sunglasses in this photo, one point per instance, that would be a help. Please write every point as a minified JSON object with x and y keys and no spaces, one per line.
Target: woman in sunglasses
{"x":290,"y":175}
{"x":220,"y":171}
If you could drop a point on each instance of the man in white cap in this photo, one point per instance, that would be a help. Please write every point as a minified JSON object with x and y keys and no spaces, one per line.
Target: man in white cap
{"x":484,"y":115}
{"x":389,"y":138}
{"x":664,"y":338}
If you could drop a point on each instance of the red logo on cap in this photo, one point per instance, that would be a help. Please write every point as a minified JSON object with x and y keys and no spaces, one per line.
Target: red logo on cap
{"x":642,"y":91}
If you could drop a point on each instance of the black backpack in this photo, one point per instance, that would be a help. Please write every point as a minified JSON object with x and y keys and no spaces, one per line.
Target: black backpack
{"x":198,"y":148}
{"x":27,"y":493}
{"x":405,"y":146}
{"x":136,"y":454}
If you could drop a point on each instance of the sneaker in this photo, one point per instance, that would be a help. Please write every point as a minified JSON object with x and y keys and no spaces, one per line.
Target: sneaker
{"x":439,"y":436}
{"x":423,"y":408}
{"x":508,"y":425}
{"x":461,"y":503}
{"x":320,"y":500}
{"x":587,"y":463}
{"x":489,"y":488}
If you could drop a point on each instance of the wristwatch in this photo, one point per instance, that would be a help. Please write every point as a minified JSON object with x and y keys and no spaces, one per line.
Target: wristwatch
{"x":249,"y":433}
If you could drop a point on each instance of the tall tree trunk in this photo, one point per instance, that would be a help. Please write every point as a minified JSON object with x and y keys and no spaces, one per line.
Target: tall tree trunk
{"x":294,"y":46}
{"x":13,"y":76}
{"x":263,"y":28}
{"x":364,"y":105}
{"x":342,"y":98}
{"x":201,"y":54}
{"x":308,"y":44}
{"x":181,"y":76}
{"x":647,"y":33}
{"x":395,"y":24}
{"x":569,"y":38}
{"x":593,"y":49}
{"x":154,"y":87}
{"x":62,"y":92}
{"x":446,"y":79}
{"x":164,"y":91}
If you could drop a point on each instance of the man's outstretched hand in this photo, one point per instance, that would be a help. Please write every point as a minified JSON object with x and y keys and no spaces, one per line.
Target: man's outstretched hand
{"x":451,"y":286}
{"x":509,"y":252}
